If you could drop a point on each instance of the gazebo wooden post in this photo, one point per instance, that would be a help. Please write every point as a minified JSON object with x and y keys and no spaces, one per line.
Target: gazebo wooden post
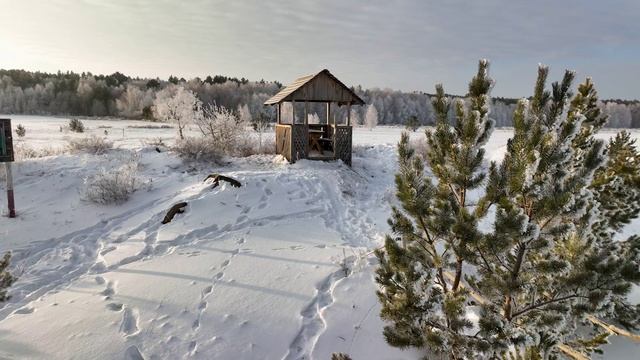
{"x":306,"y":112}
{"x":349,"y":114}
{"x":328,"y":112}
{"x":293,"y":112}
{"x":279,"y":115}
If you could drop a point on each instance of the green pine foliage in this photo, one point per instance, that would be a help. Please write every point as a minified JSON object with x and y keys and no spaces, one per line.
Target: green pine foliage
{"x":525,"y":283}
{"x":76,"y":125}
{"x":6,"y":279}
{"x":340,"y":356}
{"x":21,"y":131}
{"x":412,"y":123}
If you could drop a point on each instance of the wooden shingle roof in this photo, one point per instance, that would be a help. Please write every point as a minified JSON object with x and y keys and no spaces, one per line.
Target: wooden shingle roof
{"x":319,"y":87}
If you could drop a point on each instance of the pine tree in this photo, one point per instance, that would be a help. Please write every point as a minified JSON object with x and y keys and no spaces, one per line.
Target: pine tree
{"x":549,"y":263}
{"x":412,"y":123}
{"x":437,"y":227}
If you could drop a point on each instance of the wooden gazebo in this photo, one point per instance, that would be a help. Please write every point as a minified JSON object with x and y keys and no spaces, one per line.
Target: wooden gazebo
{"x":325,"y":141}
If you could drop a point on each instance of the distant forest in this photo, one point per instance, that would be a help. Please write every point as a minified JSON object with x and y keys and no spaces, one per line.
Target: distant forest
{"x":118,"y":95}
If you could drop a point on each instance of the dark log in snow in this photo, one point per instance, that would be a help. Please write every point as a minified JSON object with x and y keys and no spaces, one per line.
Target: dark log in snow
{"x":175,"y":209}
{"x":217,"y":177}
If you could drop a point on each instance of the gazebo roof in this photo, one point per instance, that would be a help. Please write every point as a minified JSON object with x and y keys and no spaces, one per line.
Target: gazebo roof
{"x":319,"y":87}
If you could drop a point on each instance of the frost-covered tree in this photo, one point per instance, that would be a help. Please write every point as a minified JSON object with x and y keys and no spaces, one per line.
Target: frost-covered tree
{"x":6,"y":279}
{"x":177,"y":105}
{"x":313,"y":118}
{"x":371,"y":117}
{"x":356,"y":119}
{"x":244,"y":114}
{"x":133,"y":101}
{"x":545,"y":264}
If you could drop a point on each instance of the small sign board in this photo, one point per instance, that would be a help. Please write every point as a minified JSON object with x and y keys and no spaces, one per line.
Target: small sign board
{"x":6,"y":141}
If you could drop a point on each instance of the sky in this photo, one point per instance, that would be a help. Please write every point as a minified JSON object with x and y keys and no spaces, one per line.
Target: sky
{"x":404,"y":45}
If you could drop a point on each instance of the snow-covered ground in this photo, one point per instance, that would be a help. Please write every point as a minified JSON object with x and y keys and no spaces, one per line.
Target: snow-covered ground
{"x":256,"y":272}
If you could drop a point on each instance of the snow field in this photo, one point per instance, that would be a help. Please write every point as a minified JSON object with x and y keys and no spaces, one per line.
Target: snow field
{"x":254,"y":272}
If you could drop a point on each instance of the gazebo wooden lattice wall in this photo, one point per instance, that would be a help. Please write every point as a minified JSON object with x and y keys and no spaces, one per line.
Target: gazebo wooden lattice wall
{"x":328,"y":141}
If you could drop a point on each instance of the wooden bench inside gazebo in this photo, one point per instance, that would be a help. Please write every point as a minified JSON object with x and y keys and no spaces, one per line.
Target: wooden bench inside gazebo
{"x":328,"y":140}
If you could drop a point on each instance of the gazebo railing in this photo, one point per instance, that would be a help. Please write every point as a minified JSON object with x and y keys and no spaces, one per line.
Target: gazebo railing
{"x":342,"y":143}
{"x":292,"y":141}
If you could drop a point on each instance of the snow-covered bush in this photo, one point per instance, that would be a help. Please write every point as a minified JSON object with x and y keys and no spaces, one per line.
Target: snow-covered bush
{"x":198,"y":149}
{"x":226,"y":130}
{"x":76,"y":125}
{"x":109,"y":186}
{"x":90,"y":144}
{"x":23,"y":151}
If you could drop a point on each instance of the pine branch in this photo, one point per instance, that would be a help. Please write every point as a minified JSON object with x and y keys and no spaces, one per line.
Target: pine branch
{"x":571,"y":352}
{"x":546,"y":302}
{"x":514,"y":276}
{"x":612,"y":329}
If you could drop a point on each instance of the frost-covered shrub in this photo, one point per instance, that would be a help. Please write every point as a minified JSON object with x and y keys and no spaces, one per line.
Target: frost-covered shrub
{"x":266,"y":144}
{"x":21,"y":131}
{"x":90,"y":144}
{"x":198,"y":149}
{"x":23,"y":152}
{"x":224,"y":128}
{"x":113,"y":185}
{"x":76,"y":125}
{"x":154,"y":141}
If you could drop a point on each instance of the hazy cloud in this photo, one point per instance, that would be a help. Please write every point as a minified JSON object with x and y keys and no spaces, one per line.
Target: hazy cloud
{"x":401,"y":44}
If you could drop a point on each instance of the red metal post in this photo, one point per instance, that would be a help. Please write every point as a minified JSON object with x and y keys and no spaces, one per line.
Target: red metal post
{"x":12,"y":204}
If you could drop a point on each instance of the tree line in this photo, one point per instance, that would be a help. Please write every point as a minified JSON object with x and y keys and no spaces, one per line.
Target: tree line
{"x":119,"y":95}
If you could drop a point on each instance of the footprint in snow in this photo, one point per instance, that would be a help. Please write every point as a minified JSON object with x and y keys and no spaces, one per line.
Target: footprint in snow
{"x":115,"y":306}
{"x":193,"y":347}
{"x":107,"y":250}
{"x":207,"y":290}
{"x":109,"y":291}
{"x":24,"y":310}
{"x":133,"y":353}
{"x":129,"y":324}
